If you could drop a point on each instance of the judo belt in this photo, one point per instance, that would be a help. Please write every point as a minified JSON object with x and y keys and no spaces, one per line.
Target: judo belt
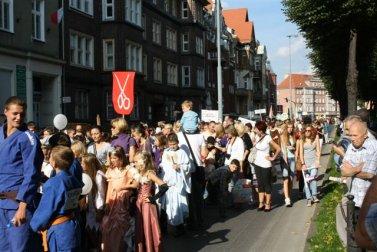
{"x":8,"y":195}
{"x":58,"y":220}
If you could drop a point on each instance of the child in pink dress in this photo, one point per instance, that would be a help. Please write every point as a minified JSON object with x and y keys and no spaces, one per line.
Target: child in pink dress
{"x":116,"y":221}
{"x":148,"y":234}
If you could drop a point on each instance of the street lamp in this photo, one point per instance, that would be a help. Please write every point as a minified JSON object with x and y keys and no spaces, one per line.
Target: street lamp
{"x":290,"y":71}
{"x":219,"y":75}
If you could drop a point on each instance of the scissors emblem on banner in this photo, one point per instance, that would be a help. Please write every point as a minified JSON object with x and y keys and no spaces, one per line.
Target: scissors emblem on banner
{"x":123,"y":101}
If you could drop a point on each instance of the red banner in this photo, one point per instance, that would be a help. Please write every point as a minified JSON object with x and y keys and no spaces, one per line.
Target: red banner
{"x":123,"y":92}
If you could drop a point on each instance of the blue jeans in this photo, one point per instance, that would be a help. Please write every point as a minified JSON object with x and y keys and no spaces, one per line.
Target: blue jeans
{"x":311,"y":186}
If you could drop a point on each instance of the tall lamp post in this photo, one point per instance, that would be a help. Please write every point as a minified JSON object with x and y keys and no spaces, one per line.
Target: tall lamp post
{"x":290,"y":73}
{"x":219,"y":75}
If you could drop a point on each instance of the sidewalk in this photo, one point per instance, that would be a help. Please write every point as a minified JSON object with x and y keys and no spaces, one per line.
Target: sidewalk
{"x":282,"y":229}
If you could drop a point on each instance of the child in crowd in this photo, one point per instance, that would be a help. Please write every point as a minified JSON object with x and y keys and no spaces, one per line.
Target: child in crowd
{"x":176,"y":173}
{"x":46,"y":167}
{"x":78,"y":149}
{"x":60,"y":200}
{"x":211,"y":157}
{"x":117,"y":220}
{"x":190,"y":119}
{"x":148,"y":234}
{"x":94,"y":201}
{"x":221,"y":177}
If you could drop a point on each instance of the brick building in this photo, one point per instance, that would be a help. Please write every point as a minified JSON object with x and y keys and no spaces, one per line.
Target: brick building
{"x":309,"y":96}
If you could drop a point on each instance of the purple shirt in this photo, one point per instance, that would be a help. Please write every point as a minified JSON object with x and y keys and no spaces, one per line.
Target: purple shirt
{"x":125,"y":141}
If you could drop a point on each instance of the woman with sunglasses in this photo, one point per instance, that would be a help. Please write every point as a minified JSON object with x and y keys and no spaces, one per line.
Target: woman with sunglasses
{"x":310,"y":153}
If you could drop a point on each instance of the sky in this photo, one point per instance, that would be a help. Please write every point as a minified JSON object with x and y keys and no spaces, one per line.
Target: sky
{"x":271,"y":30}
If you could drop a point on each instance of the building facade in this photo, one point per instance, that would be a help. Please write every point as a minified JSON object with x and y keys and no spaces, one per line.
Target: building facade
{"x":170,"y":45}
{"x":309,"y":96}
{"x":162,"y":41}
{"x":30,"y":59}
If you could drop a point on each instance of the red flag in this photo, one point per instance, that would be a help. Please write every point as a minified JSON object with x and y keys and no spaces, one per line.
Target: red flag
{"x":57,"y":16}
{"x":123,"y":92}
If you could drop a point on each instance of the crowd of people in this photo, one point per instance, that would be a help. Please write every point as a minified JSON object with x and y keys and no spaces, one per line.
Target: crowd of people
{"x":146,"y":181}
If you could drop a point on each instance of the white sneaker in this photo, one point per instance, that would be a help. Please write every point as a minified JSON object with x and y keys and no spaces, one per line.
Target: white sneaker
{"x":288,"y":202}
{"x":309,"y":203}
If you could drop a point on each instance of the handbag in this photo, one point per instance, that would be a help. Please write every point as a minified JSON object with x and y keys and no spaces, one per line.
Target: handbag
{"x":253,"y":152}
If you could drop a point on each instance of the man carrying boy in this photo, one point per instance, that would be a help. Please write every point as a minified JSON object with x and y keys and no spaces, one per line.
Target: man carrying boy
{"x":221,"y":178}
{"x":60,"y":200}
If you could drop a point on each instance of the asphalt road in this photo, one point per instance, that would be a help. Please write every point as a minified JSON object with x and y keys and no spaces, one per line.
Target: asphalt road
{"x":282,"y":229}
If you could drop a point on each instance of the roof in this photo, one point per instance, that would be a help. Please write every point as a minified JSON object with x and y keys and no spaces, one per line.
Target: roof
{"x":238,"y":20}
{"x":298,"y":81}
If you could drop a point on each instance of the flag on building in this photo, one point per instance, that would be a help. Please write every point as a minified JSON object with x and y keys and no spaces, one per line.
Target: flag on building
{"x":57,"y":16}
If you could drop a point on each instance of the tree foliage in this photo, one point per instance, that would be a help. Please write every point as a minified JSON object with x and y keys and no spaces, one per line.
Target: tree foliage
{"x":326,"y":26}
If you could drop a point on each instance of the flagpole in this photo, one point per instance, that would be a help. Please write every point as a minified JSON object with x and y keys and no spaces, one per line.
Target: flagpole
{"x":63,"y":35}
{"x":63,"y":58}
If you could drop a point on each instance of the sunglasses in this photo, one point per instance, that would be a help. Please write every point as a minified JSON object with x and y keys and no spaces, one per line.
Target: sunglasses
{"x":308,"y":130}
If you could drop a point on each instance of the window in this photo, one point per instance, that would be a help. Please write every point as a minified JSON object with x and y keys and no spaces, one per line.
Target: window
{"x":6,"y":15}
{"x":185,"y":76}
{"x":172,"y":70}
{"x":156,"y":31}
{"x":85,"y":6}
{"x":133,"y":11}
{"x":171,"y":39}
{"x":199,"y":46}
{"x":157,"y":70}
{"x":82,"y":104}
{"x":110,"y":113}
{"x":107,"y":9}
{"x":135,"y":112}
{"x":38,"y":19}
{"x":200,"y":77}
{"x":167,"y":6}
{"x":185,"y":9}
{"x":133,"y":56}
{"x":145,"y":66}
{"x":174,"y":8}
{"x":144,"y":26}
{"x":81,"y":49}
{"x":185,"y":42}
{"x":108,"y":54}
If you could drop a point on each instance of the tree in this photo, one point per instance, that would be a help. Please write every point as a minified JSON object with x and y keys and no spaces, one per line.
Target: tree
{"x":341,"y":35}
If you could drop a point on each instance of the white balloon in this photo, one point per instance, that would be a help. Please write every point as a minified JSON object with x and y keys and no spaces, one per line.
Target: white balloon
{"x":60,"y":121}
{"x":88,"y":184}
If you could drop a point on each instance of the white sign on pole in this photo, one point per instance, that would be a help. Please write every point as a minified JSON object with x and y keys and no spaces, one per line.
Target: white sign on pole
{"x":244,"y":121}
{"x":66,"y":99}
{"x":210,"y":115}
{"x":260,"y":111}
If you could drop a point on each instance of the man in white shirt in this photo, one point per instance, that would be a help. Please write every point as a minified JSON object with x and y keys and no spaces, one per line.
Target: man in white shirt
{"x":200,"y":152}
{"x":360,"y":161}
